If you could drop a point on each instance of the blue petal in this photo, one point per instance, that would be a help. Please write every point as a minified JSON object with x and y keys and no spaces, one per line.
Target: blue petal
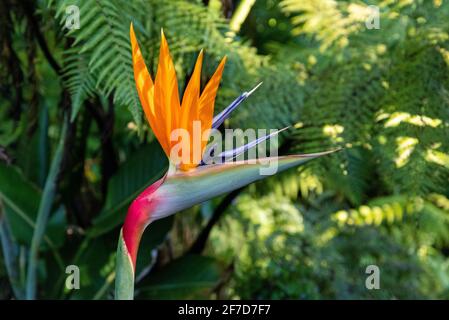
{"x":231,"y":154}
{"x":222,"y":116}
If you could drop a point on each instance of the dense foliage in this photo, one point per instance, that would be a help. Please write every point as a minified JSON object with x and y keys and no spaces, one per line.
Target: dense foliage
{"x":74,"y":145}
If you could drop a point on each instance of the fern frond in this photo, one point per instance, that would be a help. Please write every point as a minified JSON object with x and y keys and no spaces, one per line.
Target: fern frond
{"x":78,"y":80}
{"x":103,"y":37}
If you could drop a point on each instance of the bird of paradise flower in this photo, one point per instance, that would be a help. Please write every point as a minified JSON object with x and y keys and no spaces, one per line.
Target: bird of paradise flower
{"x":189,"y":182}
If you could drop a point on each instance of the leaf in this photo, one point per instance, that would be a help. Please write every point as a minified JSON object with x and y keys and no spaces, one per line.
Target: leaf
{"x":103,"y":40}
{"x":139,"y":171}
{"x":33,"y":151}
{"x":190,"y":276}
{"x":96,"y":263}
{"x":78,"y":80}
{"x":43,"y":215}
{"x":56,"y":227}
{"x":10,"y":254}
{"x":21,"y":201}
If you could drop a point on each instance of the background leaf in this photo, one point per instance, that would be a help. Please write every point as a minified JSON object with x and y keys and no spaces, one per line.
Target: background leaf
{"x":143,"y":168}
{"x":191,"y":276}
{"x":21,"y":201}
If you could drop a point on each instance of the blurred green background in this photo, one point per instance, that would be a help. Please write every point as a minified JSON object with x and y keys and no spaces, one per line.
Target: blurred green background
{"x":74,"y":146}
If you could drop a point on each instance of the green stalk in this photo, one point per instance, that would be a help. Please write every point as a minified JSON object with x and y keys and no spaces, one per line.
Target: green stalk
{"x":104,"y":288}
{"x":124,"y":278}
{"x":43,"y":215}
{"x":43,"y":145}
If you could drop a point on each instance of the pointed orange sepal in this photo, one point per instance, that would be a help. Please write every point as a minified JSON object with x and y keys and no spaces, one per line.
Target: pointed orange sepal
{"x":161,"y":103}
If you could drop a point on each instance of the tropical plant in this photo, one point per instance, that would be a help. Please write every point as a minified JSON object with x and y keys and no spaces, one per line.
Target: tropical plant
{"x":75,"y":149}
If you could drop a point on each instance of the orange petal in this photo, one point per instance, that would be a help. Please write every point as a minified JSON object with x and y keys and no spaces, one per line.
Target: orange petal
{"x":207,"y":99}
{"x":190,"y":109}
{"x":204,"y":109}
{"x":166,"y":96}
{"x":190,"y":106}
{"x":145,"y":88}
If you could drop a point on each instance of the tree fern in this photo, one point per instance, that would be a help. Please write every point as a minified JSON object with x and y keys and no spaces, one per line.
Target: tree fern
{"x":103,"y":38}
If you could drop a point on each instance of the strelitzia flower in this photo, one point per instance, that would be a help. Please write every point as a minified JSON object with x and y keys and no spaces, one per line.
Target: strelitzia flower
{"x":189,"y":182}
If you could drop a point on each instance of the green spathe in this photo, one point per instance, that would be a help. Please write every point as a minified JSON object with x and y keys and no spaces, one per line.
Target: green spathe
{"x":182,"y":190}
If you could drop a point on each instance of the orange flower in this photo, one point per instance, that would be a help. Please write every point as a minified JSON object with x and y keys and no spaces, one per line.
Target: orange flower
{"x":179,"y":190}
{"x":161,"y":103}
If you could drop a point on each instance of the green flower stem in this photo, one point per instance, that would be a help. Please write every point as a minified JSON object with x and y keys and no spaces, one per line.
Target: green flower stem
{"x":43,"y":215}
{"x":124,"y":273}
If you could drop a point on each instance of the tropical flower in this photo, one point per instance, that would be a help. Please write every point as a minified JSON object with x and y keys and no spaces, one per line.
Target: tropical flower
{"x":191,"y":181}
